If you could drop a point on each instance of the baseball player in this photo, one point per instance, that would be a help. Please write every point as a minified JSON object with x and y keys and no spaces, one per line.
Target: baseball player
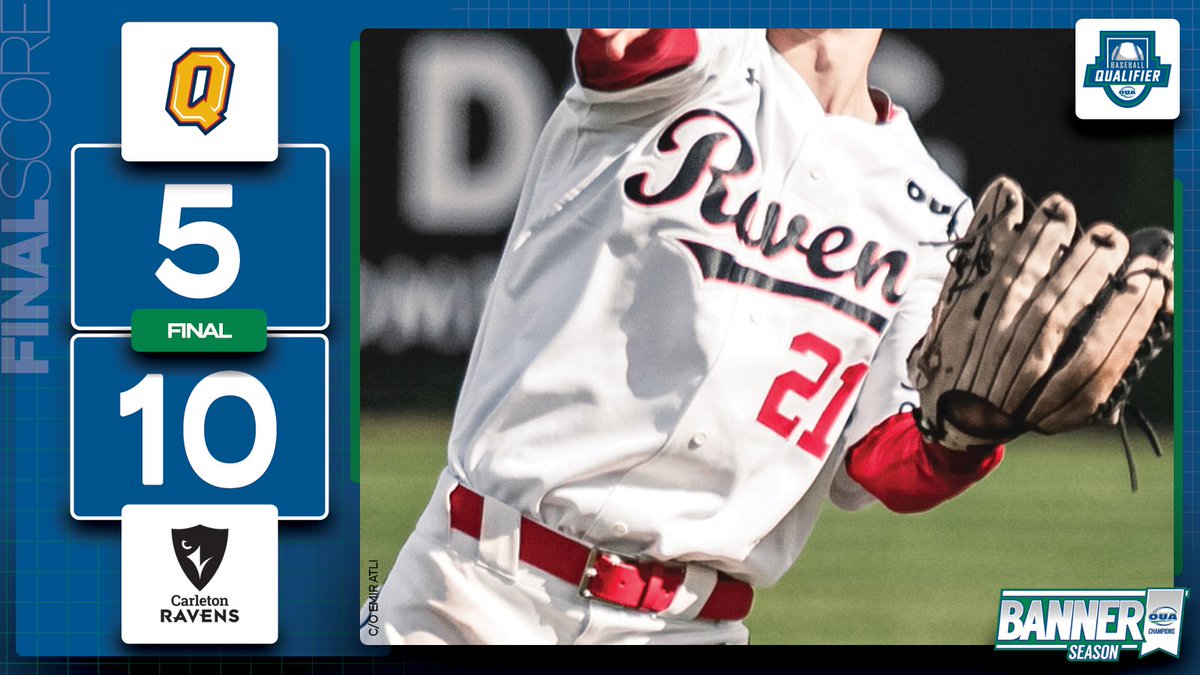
{"x":726,"y":249}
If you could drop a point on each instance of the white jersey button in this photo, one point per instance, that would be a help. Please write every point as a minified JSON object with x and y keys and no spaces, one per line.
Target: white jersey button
{"x":698,"y":440}
{"x":620,"y":529}
{"x":816,"y":173}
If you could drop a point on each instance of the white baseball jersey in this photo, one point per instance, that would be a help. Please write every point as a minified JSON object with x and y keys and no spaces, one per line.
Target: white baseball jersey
{"x":709,"y":292}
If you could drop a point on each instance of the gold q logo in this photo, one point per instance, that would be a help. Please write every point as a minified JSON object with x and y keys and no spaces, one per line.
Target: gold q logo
{"x":199,"y":91}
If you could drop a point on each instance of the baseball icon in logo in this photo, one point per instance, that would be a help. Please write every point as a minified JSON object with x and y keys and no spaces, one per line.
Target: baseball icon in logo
{"x":1128,"y":51}
{"x":199,"y":551}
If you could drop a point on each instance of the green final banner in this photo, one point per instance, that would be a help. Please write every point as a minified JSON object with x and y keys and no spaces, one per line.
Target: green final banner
{"x":199,"y":330}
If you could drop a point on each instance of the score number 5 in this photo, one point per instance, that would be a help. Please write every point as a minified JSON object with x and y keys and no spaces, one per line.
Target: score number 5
{"x":174,"y":236}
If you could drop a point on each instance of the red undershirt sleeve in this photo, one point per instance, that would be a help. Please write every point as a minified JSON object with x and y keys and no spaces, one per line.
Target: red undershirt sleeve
{"x":908,"y":474}
{"x":655,"y":55}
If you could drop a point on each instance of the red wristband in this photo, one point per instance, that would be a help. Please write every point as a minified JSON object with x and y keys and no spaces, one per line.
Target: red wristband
{"x":908,"y":474}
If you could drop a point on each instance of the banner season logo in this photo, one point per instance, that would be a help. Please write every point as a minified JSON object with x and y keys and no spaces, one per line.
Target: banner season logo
{"x":1091,"y":625}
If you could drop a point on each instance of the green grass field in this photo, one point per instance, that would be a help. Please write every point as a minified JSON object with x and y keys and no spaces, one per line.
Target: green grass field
{"x":1057,"y":513}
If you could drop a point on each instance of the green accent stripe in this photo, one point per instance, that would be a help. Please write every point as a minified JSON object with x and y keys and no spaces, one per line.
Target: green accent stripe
{"x":355,"y":261}
{"x":1177,"y":345}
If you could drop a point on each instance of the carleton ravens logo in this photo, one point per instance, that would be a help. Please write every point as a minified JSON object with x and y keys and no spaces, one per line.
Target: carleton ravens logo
{"x":199,"y":550}
{"x":1127,"y":67}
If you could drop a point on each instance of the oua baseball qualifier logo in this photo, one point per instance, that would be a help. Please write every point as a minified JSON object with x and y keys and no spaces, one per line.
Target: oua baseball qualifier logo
{"x":1128,"y":68}
{"x":1092,"y":625}
{"x":199,"y":91}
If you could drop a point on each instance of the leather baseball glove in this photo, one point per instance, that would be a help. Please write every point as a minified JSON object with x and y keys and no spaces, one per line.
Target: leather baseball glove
{"x":1041,"y":326}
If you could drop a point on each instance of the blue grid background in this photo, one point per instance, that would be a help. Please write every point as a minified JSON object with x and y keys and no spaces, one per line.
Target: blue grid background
{"x":69,"y":574}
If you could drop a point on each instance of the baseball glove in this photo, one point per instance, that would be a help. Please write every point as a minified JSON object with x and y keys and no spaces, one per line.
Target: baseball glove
{"x":1040,"y":326}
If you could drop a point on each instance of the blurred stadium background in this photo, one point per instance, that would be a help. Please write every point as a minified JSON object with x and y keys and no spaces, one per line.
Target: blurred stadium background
{"x":448,"y":122}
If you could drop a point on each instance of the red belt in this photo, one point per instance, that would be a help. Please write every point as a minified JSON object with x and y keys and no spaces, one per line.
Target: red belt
{"x":602,"y":575}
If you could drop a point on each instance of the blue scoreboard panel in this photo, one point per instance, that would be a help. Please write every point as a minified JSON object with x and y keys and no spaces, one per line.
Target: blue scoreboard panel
{"x":191,"y":429}
{"x":200,"y":236}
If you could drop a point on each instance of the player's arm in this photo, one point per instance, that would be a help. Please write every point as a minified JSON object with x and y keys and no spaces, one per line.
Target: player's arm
{"x":888,"y":459}
{"x":655,"y":68}
{"x":611,"y":60}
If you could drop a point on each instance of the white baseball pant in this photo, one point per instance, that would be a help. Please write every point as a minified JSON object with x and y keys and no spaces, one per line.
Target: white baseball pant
{"x":443,"y":589}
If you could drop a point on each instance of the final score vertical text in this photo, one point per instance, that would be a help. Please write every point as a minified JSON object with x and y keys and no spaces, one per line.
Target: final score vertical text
{"x":25,"y":182}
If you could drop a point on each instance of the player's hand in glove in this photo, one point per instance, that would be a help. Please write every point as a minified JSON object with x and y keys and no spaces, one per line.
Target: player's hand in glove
{"x":1041,"y":326}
